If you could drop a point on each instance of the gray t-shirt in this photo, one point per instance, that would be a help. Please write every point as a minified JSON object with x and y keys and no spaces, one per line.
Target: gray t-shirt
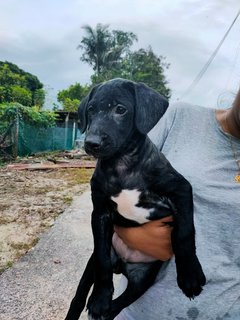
{"x":194,"y":143}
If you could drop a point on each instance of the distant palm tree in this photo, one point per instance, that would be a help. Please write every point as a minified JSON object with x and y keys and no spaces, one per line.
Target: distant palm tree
{"x":95,"y":45}
{"x":103,"y":49}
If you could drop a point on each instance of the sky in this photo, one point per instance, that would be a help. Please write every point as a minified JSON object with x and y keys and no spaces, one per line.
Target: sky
{"x":41,"y":37}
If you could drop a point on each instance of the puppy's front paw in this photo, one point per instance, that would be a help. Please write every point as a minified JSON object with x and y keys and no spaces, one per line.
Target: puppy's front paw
{"x":99,"y":304}
{"x":190,"y":276}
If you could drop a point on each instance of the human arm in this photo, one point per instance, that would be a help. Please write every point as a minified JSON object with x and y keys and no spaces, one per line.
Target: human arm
{"x":152,"y":238}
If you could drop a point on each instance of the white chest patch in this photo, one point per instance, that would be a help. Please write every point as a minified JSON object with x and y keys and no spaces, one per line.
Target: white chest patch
{"x":126,"y":205}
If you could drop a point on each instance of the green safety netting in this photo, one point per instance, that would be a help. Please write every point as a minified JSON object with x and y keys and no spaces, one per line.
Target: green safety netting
{"x":26,"y":139}
{"x":36,"y":139}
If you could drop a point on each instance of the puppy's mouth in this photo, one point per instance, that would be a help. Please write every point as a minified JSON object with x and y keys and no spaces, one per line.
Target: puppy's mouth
{"x":102,"y":151}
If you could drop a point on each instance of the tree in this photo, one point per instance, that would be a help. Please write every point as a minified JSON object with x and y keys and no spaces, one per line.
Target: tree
{"x":142,"y":65}
{"x":16,"y":85}
{"x":71,"y":97}
{"x":12,"y":113}
{"x":108,"y":52}
{"x":145,"y":66}
{"x":21,"y":95}
{"x":103,"y":49}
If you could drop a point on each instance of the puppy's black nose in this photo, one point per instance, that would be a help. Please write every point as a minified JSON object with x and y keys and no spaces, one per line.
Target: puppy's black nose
{"x":92,"y":143}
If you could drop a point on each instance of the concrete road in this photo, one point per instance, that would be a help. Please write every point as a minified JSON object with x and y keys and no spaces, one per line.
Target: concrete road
{"x":41,"y":285}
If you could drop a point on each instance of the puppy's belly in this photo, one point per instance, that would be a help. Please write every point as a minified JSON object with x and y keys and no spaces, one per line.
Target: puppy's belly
{"x":127,"y":201}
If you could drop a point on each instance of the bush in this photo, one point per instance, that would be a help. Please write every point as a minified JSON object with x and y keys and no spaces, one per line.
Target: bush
{"x":11,"y":111}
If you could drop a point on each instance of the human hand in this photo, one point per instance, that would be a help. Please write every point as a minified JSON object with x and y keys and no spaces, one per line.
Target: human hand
{"x":152,"y":238}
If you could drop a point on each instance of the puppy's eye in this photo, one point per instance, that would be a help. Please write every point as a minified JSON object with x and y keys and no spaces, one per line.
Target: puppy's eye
{"x":120,"y":110}
{"x":90,"y":109}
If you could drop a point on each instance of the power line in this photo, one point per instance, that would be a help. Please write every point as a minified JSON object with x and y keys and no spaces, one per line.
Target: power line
{"x":205,"y":67}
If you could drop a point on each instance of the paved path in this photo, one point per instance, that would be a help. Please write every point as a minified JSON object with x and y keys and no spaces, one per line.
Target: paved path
{"x":41,"y":284}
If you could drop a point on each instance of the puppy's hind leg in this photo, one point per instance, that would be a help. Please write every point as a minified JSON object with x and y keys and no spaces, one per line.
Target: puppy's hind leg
{"x":140,"y":277}
{"x":79,"y":301}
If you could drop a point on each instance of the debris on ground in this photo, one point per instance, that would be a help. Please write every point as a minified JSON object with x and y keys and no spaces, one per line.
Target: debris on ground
{"x":30,"y":200}
{"x":46,"y":165}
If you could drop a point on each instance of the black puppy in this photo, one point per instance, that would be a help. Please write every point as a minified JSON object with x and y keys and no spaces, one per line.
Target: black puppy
{"x":132,"y":184}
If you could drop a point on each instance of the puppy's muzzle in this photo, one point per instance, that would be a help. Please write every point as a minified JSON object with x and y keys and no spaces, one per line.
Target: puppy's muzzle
{"x":93,"y":143}
{"x":96,"y":145}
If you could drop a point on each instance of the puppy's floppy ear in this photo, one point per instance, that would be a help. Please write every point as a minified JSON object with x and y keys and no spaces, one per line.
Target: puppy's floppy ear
{"x":82,"y":109}
{"x":150,"y":107}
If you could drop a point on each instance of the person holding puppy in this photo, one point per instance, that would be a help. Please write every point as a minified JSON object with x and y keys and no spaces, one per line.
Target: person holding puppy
{"x":202,"y":144}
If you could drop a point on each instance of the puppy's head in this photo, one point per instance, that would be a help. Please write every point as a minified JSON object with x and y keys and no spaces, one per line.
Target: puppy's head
{"x":113,"y":111}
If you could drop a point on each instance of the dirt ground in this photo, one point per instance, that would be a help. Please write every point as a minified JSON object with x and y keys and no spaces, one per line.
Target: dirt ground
{"x":30,"y":201}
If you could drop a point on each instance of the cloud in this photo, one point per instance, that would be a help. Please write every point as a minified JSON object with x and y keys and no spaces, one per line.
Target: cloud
{"x":53,"y":62}
{"x":42,"y":38}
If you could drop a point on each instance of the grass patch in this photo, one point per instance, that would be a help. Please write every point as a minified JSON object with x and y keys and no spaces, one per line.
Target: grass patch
{"x":24,"y":246}
{"x":2,"y":163}
{"x":9,"y":264}
{"x":81,"y":175}
{"x":68,"y":199}
{"x":43,"y":190}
